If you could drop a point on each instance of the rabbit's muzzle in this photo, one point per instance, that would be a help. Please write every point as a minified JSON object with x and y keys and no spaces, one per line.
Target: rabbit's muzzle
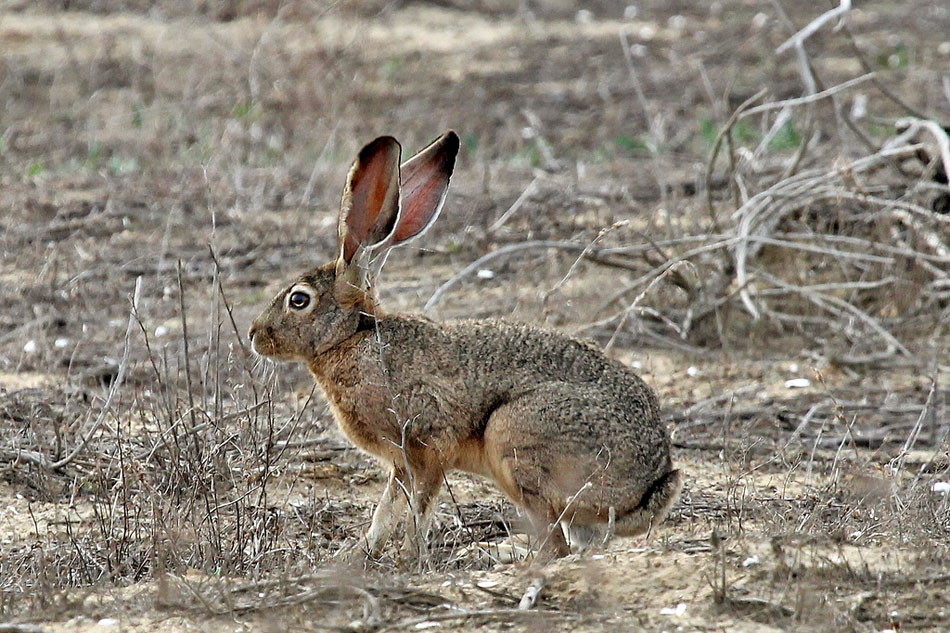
{"x":262,"y":339}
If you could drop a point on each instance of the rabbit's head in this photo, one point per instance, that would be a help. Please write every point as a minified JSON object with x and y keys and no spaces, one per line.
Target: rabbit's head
{"x":384,"y":204}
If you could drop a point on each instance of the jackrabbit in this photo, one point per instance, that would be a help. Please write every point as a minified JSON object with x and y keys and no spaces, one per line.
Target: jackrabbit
{"x":569,"y":435}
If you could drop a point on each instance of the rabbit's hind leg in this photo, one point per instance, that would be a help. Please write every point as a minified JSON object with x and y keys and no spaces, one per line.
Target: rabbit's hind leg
{"x":516,"y":452}
{"x":581,"y":537}
{"x":544,"y":519}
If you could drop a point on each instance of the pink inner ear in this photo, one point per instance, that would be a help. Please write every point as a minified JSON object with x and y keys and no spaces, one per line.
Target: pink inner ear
{"x":425,"y":180}
{"x":421,"y":192}
{"x":373,"y":196}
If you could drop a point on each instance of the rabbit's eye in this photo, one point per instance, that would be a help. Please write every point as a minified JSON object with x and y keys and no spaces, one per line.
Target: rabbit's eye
{"x":298,"y":300}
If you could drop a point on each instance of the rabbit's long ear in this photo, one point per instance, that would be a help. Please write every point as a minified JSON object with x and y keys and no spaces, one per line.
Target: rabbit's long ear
{"x":425,"y":181}
{"x":370,"y":202}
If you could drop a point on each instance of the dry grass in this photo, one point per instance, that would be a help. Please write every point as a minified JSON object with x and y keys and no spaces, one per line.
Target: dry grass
{"x":725,"y":216}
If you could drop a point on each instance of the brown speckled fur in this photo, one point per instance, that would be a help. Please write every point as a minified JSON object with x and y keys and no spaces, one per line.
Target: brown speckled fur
{"x":565,"y":432}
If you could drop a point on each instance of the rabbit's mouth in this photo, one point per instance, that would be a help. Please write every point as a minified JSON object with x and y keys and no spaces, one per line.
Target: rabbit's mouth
{"x":264,"y":345}
{"x":257,"y":347}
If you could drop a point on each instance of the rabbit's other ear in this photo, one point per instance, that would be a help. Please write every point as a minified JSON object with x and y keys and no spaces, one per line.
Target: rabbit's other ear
{"x":370,"y":202}
{"x":425,"y":181}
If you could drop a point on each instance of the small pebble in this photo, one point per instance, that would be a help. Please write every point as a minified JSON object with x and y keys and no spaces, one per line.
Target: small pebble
{"x":678,"y":610}
{"x":60,"y":343}
{"x":797,"y":383}
{"x":30,"y":346}
{"x":484,"y":273}
{"x":677,"y":22}
{"x":161,"y":331}
{"x":859,"y":107}
{"x":942,"y":487}
{"x":647,"y":32}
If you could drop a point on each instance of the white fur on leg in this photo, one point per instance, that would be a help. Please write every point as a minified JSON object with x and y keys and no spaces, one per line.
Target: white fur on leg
{"x":392,"y":505}
{"x":580,"y":537}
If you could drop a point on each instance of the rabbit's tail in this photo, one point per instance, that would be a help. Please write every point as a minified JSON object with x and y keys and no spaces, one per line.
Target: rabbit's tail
{"x":653,"y":507}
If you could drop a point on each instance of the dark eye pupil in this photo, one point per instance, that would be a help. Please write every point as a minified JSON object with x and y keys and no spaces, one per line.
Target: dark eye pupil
{"x":299,"y":300}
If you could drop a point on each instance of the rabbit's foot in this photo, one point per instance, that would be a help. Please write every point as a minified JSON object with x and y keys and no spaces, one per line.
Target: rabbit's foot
{"x":585,"y":539}
{"x":354,"y":553}
{"x":507,"y":552}
{"x":410,"y":554}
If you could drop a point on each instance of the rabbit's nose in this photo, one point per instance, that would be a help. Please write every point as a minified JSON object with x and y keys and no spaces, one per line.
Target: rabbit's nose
{"x":257,"y":330}
{"x":260,"y":332}
{"x":255,"y":335}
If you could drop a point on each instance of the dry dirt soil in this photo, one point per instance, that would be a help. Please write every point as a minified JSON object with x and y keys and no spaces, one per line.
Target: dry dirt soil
{"x":165,"y":167}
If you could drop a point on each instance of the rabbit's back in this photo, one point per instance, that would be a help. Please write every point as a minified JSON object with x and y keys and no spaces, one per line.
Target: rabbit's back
{"x":514,"y":356}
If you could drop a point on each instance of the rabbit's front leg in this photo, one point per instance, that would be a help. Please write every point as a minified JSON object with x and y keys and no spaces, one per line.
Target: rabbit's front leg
{"x":391,"y":506}
{"x":425,"y":488}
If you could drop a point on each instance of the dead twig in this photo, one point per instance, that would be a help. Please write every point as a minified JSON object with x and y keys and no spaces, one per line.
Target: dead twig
{"x":520,"y":200}
{"x":483,"y":616}
{"x":711,"y":163}
{"x":807,"y":99}
{"x":13,"y":627}
{"x":814,"y":25}
{"x":531,"y":594}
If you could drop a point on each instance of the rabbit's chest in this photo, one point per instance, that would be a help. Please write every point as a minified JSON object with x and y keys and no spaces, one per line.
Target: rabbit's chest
{"x":360,"y":409}
{"x":380,"y":413}
{"x":386,"y":396}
